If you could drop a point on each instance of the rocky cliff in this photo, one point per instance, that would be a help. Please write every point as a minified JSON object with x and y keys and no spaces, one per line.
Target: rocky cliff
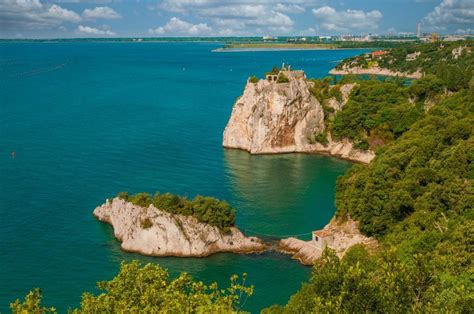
{"x":150,"y":231}
{"x":273,"y":117}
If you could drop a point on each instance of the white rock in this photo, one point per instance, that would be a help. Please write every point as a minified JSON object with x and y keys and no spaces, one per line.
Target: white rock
{"x":170,"y":235}
{"x":275,"y":117}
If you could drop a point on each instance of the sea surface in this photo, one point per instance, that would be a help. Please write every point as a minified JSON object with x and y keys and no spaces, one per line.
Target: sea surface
{"x":87,"y":120}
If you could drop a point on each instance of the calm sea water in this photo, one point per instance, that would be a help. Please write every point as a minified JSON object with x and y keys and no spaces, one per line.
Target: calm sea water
{"x":88,"y":120}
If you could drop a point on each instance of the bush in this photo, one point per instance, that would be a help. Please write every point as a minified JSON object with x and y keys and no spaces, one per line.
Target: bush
{"x":123,"y":196}
{"x":253,"y":79}
{"x":321,"y":138}
{"x":146,"y":223}
{"x":207,"y":210}
{"x":282,"y":78}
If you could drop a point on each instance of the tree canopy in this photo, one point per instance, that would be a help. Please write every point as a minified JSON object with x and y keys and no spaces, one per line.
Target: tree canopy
{"x":150,"y":289}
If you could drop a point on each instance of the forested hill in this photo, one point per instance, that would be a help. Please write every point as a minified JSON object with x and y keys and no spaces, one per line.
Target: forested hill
{"x":452,"y":62}
{"x":416,"y":197}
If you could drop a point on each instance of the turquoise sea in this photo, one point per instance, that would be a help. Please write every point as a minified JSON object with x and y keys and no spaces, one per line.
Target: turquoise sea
{"x":88,"y":120}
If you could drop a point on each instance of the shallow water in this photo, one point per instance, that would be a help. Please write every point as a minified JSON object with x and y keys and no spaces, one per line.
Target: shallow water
{"x":88,"y":120}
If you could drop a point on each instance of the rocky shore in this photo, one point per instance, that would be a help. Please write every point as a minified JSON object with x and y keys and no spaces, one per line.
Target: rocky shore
{"x":344,"y":233}
{"x":153,"y":232}
{"x":273,"y":117}
{"x":375,"y":71}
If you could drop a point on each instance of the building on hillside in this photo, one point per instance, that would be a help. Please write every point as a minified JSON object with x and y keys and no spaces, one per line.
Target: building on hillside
{"x":322,"y":238}
{"x":378,"y":53}
{"x":413,"y":56}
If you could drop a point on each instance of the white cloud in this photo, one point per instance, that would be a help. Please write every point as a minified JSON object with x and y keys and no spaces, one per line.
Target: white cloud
{"x":177,"y":27}
{"x":347,"y":21}
{"x":101,"y":13}
{"x":241,"y":17}
{"x":56,"y":12}
{"x":91,"y":31}
{"x":451,"y":12}
{"x":32,"y":14}
{"x":289,"y":8}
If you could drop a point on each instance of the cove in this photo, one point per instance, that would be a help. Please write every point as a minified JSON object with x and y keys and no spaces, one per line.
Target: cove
{"x":88,"y":120}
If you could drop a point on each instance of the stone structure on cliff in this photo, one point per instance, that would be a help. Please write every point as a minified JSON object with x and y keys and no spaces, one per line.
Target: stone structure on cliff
{"x":150,"y":231}
{"x":338,"y":235}
{"x":272,"y":117}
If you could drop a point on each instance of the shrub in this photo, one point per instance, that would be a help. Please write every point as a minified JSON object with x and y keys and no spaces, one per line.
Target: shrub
{"x":321,"y":138}
{"x":146,"y":223}
{"x":253,"y":79}
{"x":282,"y":78}
{"x":207,"y":210}
{"x":123,"y":195}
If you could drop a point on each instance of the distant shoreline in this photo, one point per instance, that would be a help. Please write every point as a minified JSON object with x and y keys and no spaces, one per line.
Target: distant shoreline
{"x":281,"y":49}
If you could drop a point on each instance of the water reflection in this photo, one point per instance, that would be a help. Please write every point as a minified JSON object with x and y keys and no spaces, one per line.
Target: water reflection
{"x":283,"y":194}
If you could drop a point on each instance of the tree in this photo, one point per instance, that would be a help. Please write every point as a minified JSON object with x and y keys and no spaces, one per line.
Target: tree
{"x":150,"y":289}
{"x":31,"y":304}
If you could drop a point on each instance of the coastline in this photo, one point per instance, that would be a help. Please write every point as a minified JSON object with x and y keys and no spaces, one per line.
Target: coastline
{"x":312,"y":152}
{"x":280,"y":49}
{"x":376,"y":71}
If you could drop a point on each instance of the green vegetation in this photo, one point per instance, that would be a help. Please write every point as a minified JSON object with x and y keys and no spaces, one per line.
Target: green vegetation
{"x":377,"y":112}
{"x":322,"y":89}
{"x":282,"y":78}
{"x":253,"y":79}
{"x":321,"y":137}
{"x":275,"y":70}
{"x":149,"y":289}
{"x":416,"y":197}
{"x":439,"y":59}
{"x":428,"y":170}
{"x":146,"y":223}
{"x":207,"y":210}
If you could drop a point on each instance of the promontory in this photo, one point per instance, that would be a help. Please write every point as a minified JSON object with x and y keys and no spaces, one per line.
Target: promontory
{"x":279,"y":114}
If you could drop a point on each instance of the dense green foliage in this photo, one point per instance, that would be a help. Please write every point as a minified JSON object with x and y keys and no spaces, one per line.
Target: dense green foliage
{"x":435,"y":58}
{"x":416,"y":197}
{"x":363,"y":282}
{"x":322,"y":89}
{"x":428,"y":169}
{"x":149,"y":289}
{"x":207,"y":210}
{"x":377,"y":112}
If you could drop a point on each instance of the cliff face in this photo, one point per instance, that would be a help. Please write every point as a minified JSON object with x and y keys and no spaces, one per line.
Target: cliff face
{"x":275,"y":117}
{"x":150,"y":231}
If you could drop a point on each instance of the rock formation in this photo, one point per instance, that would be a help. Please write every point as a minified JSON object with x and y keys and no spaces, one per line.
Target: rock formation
{"x":272,"y":117}
{"x":150,"y":231}
{"x":345,"y":234}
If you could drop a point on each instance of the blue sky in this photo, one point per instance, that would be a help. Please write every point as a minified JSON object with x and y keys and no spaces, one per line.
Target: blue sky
{"x":133,"y":18}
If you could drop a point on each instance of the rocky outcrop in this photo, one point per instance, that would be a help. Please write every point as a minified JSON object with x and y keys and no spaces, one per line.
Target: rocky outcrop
{"x":375,"y":71}
{"x":150,"y":231}
{"x":273,"y":117}
{"x":345,"y":235}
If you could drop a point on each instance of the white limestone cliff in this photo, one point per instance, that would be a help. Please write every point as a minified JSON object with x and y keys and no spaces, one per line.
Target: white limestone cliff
{"x":273,"y":117}
{"x":150,"y":231}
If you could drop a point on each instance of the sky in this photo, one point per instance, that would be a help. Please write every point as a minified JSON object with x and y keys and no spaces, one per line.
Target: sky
{"x":169,"y":18}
